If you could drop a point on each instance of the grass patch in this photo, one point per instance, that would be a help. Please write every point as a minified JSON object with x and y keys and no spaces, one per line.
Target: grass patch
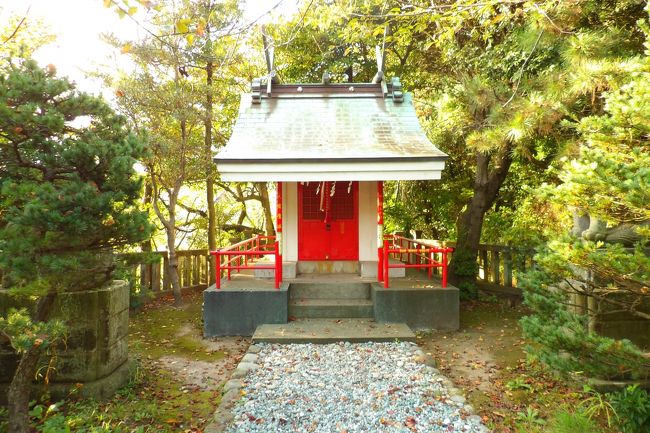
{"x":157,"y":331}
{"x":153,"y":402}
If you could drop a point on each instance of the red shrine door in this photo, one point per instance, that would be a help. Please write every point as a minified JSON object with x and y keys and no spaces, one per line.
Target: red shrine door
{"x":328,"y":221}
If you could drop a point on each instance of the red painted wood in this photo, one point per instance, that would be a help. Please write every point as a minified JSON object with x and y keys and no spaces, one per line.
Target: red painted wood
{"x":328,"y":230}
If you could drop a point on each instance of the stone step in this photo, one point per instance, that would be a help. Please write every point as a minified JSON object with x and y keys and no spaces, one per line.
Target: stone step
{"x":332,"y":330}
{"x":331,"y":308}
{"x":336,"y":290}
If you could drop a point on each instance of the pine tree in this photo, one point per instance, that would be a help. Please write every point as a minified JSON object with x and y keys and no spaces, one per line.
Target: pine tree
{"x":68,"y":199}
{"x":599,"y":271}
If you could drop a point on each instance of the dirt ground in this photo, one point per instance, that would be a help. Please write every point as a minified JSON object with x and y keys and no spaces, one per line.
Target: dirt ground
{"x":203,"y":375}
{"x":486,"y":359}
{"x":171,"y":338}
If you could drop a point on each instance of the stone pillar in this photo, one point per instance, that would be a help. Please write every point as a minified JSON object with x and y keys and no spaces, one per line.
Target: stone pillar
{"x":96,"y":351}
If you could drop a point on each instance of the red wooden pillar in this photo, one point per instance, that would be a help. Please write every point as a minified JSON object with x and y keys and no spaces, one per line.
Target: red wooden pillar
{"x":380,"y":230}
{"x":278,"y":234}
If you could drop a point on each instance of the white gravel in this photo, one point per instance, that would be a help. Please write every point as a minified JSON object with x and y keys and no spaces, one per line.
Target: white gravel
{"x":347,"y":388}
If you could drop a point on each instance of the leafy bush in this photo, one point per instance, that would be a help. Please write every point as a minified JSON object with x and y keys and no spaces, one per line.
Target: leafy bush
{"x":577,"y":422}
{"x":633,"y":408}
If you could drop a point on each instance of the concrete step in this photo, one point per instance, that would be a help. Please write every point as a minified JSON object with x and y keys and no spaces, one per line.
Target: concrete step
{"x":335,"y":290}
{"x":328,"y":267}
{"x":332,"y":330}
{"x":331,"y":308}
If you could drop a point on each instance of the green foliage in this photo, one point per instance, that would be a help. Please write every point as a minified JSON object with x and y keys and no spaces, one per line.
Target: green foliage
{"x":572,"y":422}
{"x":608,"y":179}
{"x":465,"y":265}
{"x":519,"y":383}
{"x":563,"y":339}
{"x":24,"y":333}
{"x":598,"y":405}
{"x":21,"y":36}
{"x":633,"y":408}
{"x":68,"y":198}
{"x":68,"y":189}
{"x":529,"y":419}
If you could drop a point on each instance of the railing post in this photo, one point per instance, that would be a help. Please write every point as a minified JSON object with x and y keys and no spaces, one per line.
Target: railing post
{"x":507,"y":268}
{"x":496,"y":267}
{"x":278,"y":265}
{"x":386,"y":263}
{"x":444,"y":269}
{"x":486,"y":268}
{"x":430,"y":268}
{"x":380,"y":263}
{"x":217,"y":269}
{"x":380,"y":229}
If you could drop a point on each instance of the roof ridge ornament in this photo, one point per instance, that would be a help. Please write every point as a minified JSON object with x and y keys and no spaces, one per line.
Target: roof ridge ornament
{"x":396,"y":87}
{"x":256,"y":91}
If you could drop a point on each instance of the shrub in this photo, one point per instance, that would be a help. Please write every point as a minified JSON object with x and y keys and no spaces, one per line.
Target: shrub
{"x":633,"y":408}
{"x":577,"y":422}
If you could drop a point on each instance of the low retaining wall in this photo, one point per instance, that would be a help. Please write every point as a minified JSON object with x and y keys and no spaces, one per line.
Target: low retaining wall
{"x":96,"y":352}
{"x":239,"y":311}
{"x":619,"y":325}
{"x":419,"y":308}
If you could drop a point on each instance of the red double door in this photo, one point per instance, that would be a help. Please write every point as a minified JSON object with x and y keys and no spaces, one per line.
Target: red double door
{"x":328,"y":221}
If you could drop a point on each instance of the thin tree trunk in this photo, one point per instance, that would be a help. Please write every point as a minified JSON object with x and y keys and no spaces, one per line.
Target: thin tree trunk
{"x":21,"y":383}
{"x":173,"y":258}
{"x":463,"y":268}
{"x":266,"y":205}
{"x":145,"y":246}
{"x":209,"y":184}
{"x":169,"y":223}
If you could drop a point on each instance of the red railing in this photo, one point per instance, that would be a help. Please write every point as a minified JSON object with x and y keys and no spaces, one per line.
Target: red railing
{"x":423,"y":254}
{"x":242,"y":255}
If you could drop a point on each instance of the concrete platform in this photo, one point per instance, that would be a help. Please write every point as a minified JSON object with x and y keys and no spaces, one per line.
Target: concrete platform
{"x":325,"y":331}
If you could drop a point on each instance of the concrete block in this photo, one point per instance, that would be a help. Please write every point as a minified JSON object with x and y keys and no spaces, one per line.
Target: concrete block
{"x":634,"y":329}
{"x":96,"y":350}
{"x":239,"y":311}
{"x":100,"y":389}
{"x":369,"y":269}
{"x":112,"y":356}
{"x":420,"y":308}
{"x":114,"y":300}
{"x":288,"y":270}
{"x":328,"y":267}
{"x":82,"y":307}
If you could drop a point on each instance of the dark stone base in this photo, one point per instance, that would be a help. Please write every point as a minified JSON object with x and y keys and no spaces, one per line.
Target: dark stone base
{"x":100,"y":389}
{"x":421,"y":309}
{"x":96,"y":350}
{"x":239,"y":311}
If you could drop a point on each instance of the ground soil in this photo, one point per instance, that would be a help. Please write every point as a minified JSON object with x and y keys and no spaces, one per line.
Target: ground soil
{"x":486,"y":359}
{"x":196,"y":362}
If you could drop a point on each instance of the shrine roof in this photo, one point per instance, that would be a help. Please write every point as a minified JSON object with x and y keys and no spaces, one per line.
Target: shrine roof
{"x":347,"y":131}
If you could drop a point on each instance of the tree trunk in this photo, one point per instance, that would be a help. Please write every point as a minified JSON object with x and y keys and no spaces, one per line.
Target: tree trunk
{"x":21,"y":383}
{"x":463,"y":268}
{"x":209,"y":184}
{"x":266,"y":205}
{"x":145,"y":246}
{"x":173,"y":258}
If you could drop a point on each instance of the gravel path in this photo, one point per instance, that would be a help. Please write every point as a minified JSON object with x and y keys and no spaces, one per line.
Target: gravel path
{"x":348,"y":388}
